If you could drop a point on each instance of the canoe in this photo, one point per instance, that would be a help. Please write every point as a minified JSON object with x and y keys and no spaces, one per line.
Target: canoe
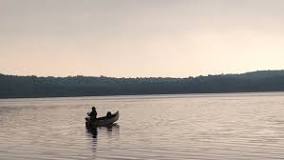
{"x":102,"y":121}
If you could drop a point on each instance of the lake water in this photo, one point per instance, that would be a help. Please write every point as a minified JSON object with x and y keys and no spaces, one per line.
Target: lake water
{"x":197,"y":126}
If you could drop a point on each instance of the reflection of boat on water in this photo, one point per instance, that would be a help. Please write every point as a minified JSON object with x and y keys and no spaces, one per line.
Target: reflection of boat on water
{"x":111,"y":130}
{"x":102,"y":121}
{"x":93,"y":132}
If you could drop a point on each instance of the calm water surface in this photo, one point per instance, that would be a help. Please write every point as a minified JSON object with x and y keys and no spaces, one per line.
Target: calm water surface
{"x":205,"y":126}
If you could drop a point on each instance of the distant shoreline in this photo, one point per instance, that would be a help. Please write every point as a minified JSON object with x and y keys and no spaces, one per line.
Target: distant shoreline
{"x":129,"y":95}
{"x":12,"y":86}
{"x":202,"y":94}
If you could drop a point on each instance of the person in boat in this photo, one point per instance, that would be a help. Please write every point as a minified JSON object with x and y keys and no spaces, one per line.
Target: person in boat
{"x":108,"y":114}
{"x":93,"y":114}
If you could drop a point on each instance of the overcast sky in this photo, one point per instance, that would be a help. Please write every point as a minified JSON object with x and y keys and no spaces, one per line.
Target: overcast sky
{"x":129,"y":38}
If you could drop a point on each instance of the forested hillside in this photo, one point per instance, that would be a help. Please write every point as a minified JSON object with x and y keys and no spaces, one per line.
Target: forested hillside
{"x":32,"y":86}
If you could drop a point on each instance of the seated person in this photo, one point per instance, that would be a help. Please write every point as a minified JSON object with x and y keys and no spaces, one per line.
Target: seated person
{"x":93,"y":114}
{"x":108,"y":114}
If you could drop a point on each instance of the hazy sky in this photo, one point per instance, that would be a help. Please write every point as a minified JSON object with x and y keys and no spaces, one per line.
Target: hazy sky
{"x":129,"y":38}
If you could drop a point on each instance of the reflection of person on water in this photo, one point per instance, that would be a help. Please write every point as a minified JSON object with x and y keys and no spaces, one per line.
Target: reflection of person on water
{"x":93,"y":114}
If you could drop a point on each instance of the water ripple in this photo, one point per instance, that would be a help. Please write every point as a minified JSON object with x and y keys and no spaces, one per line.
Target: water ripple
{"x":234,"y":126}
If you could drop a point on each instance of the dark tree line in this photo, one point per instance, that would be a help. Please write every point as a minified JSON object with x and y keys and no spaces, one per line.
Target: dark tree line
{"x":32,"y":86}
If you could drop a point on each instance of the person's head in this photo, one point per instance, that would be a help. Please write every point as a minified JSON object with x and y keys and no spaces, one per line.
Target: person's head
{"x":93,"y":108}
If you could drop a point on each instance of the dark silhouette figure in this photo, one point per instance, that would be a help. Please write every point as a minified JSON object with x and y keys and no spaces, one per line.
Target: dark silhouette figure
{"x":108,"y":114}
{"x":93,"y":114}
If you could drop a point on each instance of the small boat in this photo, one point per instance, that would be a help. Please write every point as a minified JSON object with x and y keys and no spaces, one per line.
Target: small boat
{"x":102,"y":121}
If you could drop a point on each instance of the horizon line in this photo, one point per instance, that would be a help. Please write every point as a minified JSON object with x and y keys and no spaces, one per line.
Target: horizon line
{"x":78,"y":75}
